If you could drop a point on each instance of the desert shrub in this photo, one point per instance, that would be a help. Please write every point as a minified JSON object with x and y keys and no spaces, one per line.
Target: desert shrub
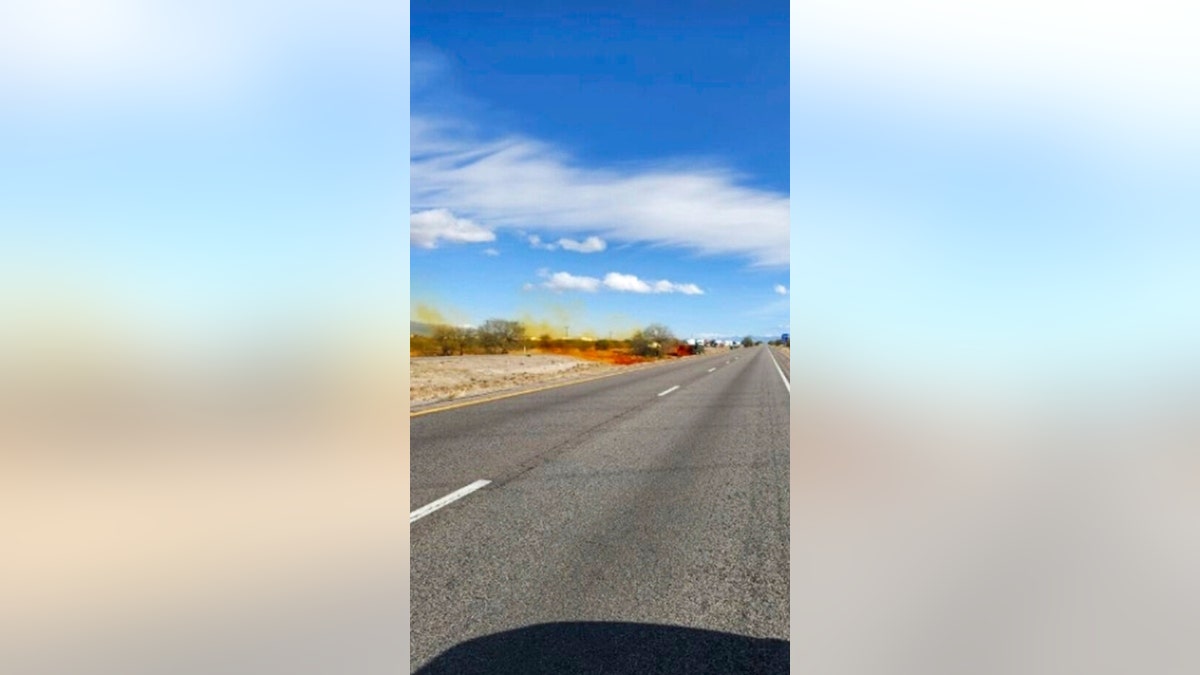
{"x":654,"y":340}
{"x":500,"y":335}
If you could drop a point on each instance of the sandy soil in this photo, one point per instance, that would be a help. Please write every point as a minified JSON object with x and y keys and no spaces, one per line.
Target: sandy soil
{"x":438,"y":378}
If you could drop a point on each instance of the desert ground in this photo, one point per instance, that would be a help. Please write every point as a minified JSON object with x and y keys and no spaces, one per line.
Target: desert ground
{"x":446,"y":378}
{"x":440,"y":378}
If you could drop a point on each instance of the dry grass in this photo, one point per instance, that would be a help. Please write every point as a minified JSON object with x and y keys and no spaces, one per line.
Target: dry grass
{"x":614,"y":357}
{"x":440,"y":378}
{"x":437,"y":378}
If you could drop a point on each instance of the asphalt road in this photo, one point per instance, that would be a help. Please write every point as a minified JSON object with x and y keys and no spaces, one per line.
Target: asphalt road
{"x":636,"y":523}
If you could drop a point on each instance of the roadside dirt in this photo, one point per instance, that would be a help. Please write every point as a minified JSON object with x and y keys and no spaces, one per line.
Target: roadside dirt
{"x":441,"y":378}
{"x":448,"y":378}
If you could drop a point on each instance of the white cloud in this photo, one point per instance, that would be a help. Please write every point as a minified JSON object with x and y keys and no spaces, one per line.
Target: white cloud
{"x":536,"y":242}
{"x":629,"y":283}
{"x":687,"y":289}
{"x":491,"y":252}
{"x":589,"y":245}
{"x":781,"y":289}
{"x":626,"y":283}
{"x":429,"y":227}
{"x":564,"y":281}
{"x":665,"y":286}
{"x":517,"y":182}
{"x":613,"y":281}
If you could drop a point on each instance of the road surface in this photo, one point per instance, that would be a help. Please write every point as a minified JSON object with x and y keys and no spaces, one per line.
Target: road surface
{"x":636,"y":523}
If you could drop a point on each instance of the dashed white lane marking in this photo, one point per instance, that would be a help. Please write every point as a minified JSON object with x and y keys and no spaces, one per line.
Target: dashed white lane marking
{"x":452,"y":497}
{"x":664,"y":393}
{"x":711,"y":369}
{"x":780,"y":371}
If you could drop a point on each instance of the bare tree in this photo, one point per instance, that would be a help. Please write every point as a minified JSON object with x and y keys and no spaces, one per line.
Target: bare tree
{"x":653,"y":340}
{"x":656,"y":332}
{"x":446,"y":338}
{"x":500,"y":335}
{"x":451,"y":339}
{"x":467,"y":338}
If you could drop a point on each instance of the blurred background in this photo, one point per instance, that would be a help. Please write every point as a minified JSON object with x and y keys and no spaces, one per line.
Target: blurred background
{"x":994,"y":273}
{"x":203,"y":295}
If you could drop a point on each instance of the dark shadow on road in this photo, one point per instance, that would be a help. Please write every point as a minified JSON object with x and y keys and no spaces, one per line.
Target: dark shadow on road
{"x":612,"y":649}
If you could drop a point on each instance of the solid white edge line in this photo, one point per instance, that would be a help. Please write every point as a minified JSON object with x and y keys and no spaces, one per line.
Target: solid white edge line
{"x":779,"y":370}
{"x":664,"y":393}
{"x":452,"y":497}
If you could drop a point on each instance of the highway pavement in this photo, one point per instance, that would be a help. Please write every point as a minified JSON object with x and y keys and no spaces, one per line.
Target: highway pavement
{"x":634,"y":523}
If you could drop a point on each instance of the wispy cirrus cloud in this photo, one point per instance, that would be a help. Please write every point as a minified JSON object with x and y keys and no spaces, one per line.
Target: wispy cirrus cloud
{"x":519,"y":182}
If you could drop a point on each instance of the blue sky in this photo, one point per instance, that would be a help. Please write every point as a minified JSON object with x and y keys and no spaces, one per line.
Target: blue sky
{"x":601,"y":169}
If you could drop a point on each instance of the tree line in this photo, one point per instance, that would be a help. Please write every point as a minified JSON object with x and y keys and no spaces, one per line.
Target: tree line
{"x":495,"y":336}
{"x":502,"y":336}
